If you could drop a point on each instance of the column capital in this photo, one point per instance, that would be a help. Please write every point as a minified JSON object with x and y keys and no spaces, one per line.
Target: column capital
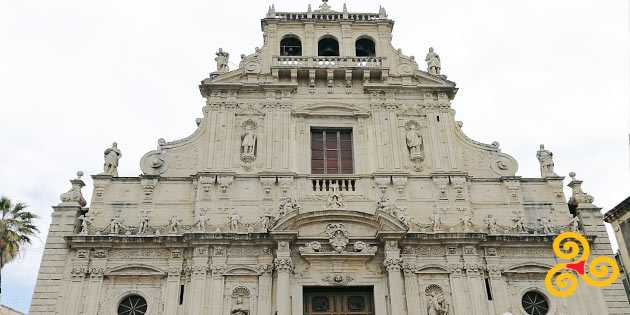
{"x":283,"y":264}
{"x":393,"y":264}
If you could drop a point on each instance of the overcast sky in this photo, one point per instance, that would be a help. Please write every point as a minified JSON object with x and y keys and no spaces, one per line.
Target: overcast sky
{"x":77,"y":75}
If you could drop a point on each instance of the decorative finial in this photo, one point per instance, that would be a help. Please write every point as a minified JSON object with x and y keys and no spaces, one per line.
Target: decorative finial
{"x":74,"y":197}
{"x":161,"y":141}
{"x":309,"y":8}
{"x":579,"y":197}
{"x":345,"y":9}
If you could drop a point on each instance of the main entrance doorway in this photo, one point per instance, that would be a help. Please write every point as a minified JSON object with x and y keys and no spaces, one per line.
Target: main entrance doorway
{"x":338,"y":301}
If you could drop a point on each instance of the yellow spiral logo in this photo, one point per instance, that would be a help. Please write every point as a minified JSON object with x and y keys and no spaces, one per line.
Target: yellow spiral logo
{"x":602,"y":271}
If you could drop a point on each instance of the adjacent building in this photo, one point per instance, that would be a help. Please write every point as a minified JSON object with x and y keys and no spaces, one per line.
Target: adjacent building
{"x":328,"y":175}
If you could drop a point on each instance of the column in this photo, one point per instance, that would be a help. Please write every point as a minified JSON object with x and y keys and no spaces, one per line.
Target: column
{"x":265,"y":284}
{"x":455,"y":266}
{"x":173,"y":281}
{"x":498,"y":287}
{"x":198,"y":279}
{"x":94,"y":285}
{"x":476,"y":286}
{"x":411,"y":289}
{"x":76,"y":288}
{"x":218,"y":267}
{"x":283,"y":266}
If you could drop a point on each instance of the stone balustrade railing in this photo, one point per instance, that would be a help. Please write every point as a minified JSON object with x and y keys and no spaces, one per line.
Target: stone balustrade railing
{"x":326,"y":184}
{"x":327,"y":62}
{"x":326,"y":16}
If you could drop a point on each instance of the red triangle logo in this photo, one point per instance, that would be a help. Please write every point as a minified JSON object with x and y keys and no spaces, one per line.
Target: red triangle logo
{"x":578,"y":266}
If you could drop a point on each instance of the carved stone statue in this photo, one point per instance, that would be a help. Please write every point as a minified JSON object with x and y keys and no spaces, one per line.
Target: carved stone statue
{"x":437,"y":305}
{"x":234,"y":218}
{"x":574,"y":224}
{"x":491,"y":224}
{"x":173,"y":222}
{"x":239,"y":308}
{"x":115,"y":225}
{"x":144,"y":225}
{"x":222,"y":61}
{"x":267,"y":219}
{"x":112,"y":155}
{"x":403,"y":216}
{"x":335,"y":198}
{"x":436,"y":221}
{"x":519,"y":225}
{"x":414,"y":143}
{"x":384,"y":203}
{"x":86,"y":221}
{"x":546,"y":225}
{"x":466,"y":223}
{"x":545,"y":157}
{"x":201,"y":222}
{"x":248,"y":144}
{"x":433,"y":62}
{"x":287,"y":205}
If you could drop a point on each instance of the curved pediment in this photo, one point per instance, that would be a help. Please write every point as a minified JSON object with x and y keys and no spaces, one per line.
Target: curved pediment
{"x":135,"y":270}
{"x":529,"y":267}
{"x":360,"y":224}
{"x":241,"y":271}
{"x":331,"y":109}
{"x":432,"y":268}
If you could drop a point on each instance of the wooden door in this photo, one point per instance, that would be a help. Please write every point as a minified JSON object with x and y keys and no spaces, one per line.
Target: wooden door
{"x":338,"y":301}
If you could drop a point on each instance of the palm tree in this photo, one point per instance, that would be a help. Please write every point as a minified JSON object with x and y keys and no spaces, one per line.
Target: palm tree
{"x":16,"y":230}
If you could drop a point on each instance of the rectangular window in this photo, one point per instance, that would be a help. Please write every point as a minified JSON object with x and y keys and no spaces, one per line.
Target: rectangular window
{"x":331,"y":152}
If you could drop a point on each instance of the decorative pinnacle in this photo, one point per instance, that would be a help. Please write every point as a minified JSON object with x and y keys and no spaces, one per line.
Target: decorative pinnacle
{"x":79,"y":174}
{"x":572,"y":175}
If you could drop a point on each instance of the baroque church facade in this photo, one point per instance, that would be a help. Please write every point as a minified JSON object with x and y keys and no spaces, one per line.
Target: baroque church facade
{"x":328,"y":175}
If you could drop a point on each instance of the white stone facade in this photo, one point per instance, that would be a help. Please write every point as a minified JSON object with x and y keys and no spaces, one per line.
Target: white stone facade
{"x":232,"y":220}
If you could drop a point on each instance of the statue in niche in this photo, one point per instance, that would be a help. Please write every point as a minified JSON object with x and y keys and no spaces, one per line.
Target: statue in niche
{"x":436,"y":221}
{"x":466,"y":223}
{"x":574,"y":224}
{"x":173,"y":222}
{"x":519,"y":225}
{"x":414,"y":143}
{"x":201,"y":222}
{"x":222,"y":60}
{"x":239,"y":308}
{"x":234,"y":218}
{"x":545,"y":157}
{"x":248,"y":144}
{"x":437,"y":305}
{"x":433,"y":62}
{"x":112,"y":155}
{"x":86,"y":221}
{"x":115,"y":225}
{"x":491,"y":224}
{"x":144,"y":225}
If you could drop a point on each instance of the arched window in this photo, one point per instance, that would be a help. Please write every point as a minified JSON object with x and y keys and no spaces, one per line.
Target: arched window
{"x":535,"y":303}
{"x":133,"y":305}
{"x":290,"y":46}
{"x":365,"y":47}
{"x":328,"y":47}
